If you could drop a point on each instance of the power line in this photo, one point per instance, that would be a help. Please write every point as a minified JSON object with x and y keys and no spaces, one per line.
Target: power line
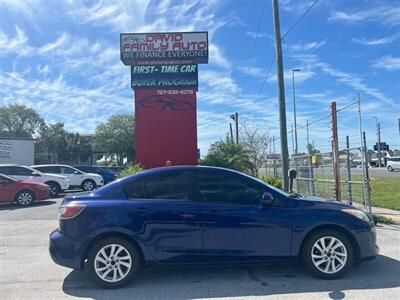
{"x":299,"y":19}
{"x":284,"y":35}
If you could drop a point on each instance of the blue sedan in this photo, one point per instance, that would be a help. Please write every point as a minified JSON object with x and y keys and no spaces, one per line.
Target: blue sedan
{"x":203,"y":215}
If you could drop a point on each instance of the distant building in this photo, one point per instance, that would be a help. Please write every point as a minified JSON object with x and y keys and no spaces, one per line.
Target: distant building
{"x":17,"y":151}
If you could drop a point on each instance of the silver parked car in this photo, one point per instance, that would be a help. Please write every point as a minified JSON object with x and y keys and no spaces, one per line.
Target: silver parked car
{"x":393,"y":163}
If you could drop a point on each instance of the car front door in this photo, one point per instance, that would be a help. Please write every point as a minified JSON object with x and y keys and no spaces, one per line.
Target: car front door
{"x":162,"y":211}
{"x":76,"y":177}
{"x":7,"y":190}
{"x":235,"y":224}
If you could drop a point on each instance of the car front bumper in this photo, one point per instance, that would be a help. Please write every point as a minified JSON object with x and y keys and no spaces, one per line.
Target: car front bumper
{"x":367,"y":244}
{"x":66,"y":251}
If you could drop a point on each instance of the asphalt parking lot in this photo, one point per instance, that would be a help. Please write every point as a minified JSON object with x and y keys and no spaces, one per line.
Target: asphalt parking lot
{"x":27,"y":271}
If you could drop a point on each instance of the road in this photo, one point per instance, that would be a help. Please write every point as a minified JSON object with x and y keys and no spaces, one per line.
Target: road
{"x":27,"y":271}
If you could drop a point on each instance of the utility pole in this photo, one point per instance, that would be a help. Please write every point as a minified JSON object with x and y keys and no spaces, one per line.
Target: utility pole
{"x":296,"y":149}
{"x":235,"y":117}
{"x":230,"y":129}
{"x":281,"y":96}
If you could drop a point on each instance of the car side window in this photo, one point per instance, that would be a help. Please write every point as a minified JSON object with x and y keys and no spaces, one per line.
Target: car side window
{"x":66,"y":170}
{"x":20,"y":171}
{"x":226,"y":188}
{"x":166,"y":186}
{"x":135,"y":189}
{"x":49,"y":169}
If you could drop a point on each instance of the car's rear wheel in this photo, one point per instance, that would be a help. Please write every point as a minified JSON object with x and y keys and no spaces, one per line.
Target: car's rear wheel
{"x":327,"y":254}
{"x":25,"y":198}
{"x":88,"y":185}
{"x":113,"y":262}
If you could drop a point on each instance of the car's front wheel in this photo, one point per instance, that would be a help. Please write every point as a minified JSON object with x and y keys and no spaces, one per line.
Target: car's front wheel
{"x":88,"y":185}
{"x":390,"y":168}
{"x":113,"y":262}
{"x":327,"y":254}
{"x":25,"y":198}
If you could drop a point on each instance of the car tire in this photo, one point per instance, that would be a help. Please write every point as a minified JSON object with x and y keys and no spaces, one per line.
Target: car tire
{"x":327,"y":254}
{"x":113,"y":270}
{"x":54,"y":189}
{"x":25,"y":198}
{"x":88,"y":185}
{"x":390,"y":168}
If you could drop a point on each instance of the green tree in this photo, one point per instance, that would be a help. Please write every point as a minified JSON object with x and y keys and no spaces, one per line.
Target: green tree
{"x":229,"y":155}
{"x":116,"y":137}
{"x":17,"y":120}
{"x":52,"y":143}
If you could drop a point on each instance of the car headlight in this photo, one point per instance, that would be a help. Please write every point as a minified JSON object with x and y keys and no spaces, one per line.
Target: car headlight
{"x":358,"y":214}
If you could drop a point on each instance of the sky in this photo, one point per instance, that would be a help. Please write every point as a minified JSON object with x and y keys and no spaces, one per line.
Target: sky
{"x":62,"y":59}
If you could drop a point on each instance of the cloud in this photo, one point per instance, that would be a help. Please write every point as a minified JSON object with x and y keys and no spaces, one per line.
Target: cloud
{"x":17,"y":44}
{"x":307,"y":46}
{"x":388,"y":62}
{"x":375,"y":42}
{"x":253,"y":71}
{"x":386,"y":14}
{"x":300,"y":77}
{"x":62,"y":40}
{"x":254,"y":34}
{"x":217,"y":57}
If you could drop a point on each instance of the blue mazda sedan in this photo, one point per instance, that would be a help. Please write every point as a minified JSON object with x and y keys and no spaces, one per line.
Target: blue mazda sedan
{"x":202,"y":215}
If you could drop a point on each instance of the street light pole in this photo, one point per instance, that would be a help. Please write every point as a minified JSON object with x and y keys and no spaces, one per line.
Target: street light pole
{"x":296,"y":149}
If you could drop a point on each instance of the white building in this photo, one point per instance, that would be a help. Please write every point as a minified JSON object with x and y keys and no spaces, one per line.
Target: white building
{"x":17,"y":151}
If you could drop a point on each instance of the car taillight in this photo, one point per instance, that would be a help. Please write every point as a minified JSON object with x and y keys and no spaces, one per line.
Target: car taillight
{"x":70,"y":211}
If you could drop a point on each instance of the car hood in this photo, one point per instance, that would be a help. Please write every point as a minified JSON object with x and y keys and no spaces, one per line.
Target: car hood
{"x":323,"y":202}
{"x":93,"y":175}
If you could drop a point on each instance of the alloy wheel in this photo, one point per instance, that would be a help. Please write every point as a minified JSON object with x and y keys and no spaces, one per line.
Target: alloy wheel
{"x":329,"y":255}
{"x":88,"y":186}
{"x":25,"y":198}
{"x":112,"y":263}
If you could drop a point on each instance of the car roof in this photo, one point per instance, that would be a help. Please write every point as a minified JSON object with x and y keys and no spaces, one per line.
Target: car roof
{"x":50,"y":165}
{"x":12,"y":165}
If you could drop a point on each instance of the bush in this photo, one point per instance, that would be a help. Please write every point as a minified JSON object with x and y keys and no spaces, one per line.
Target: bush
{"x":131,"y":170}
{"x":272,"y":181}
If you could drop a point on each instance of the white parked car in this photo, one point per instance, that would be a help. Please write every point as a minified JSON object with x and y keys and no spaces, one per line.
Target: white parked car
{"x":79,"y":179}
{"x":393,"y":163}
{"x":56,"y":183}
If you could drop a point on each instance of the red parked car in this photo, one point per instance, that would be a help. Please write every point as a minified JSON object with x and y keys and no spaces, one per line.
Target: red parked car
{"x":21,"y":192}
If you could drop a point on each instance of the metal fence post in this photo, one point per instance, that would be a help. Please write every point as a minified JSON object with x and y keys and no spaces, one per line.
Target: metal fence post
{"x":363,"y":154}
{"x":349,"y":188}
{"x":367,"y":177}
{"x":335,"y":151}
{"x":310,"y":167}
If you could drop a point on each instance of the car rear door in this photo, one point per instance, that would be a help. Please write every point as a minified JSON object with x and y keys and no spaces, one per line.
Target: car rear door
{"x":161,"y":210}
{"x":235,"y":224}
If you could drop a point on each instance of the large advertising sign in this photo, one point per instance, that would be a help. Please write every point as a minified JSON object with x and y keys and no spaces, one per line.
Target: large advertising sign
{"x":161,"y":76}
{"x":165,"y":128}
{"x":166,"y":47}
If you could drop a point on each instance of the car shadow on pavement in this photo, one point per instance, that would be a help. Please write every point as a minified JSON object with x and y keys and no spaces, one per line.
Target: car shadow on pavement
{"x":14,"y":206}
{"x":211,"y":282}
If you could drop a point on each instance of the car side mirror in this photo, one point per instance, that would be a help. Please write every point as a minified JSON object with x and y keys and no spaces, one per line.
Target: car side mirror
{"x":267,"y":199}
{"x":4,"y":182}
{"x":35,"y":174}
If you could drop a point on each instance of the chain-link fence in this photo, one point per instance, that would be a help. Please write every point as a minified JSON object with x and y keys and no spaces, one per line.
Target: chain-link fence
{"x":329,"y":156}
